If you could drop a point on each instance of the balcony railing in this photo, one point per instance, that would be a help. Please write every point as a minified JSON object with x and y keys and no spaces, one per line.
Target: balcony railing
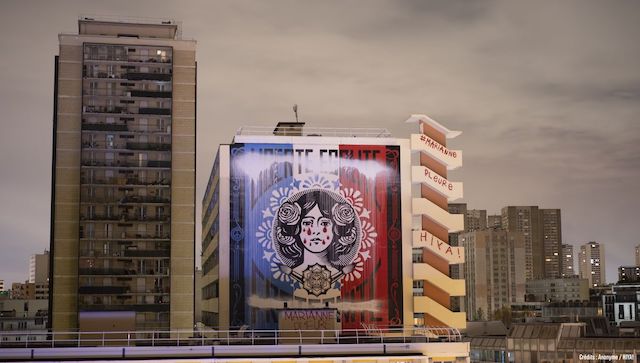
{"x":293,"y":343}
{"x":161,"y":253}
{"x":125,"y":164}
{"x":104,"y":290}
{"x":147,"y":253}
{"x":128,"y":110}
{"x":128,"y":58}
{"x":144,"y":199}
{"x":154,"y":111}
{"x":154,"y":94}
{"x":125,"y":236}
{"x":126,"y":181}
{"x":159,"y":305}
{"x":140,"y":76}
{"x":119,"y":271}
{"x":104,"y":127}
{"x":154,"y":146}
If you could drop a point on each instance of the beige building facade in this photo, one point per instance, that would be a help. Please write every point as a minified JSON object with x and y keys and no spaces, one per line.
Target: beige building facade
{"x":493,"y":271}
{"x":592,"y":264}
{"x":123,"y":188}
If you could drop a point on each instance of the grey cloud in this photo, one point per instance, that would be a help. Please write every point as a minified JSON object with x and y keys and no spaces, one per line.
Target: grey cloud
{"x":544,"y":93}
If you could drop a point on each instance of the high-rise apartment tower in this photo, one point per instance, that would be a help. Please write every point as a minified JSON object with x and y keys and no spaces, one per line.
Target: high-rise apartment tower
{"x":542,"y":235}
{"x":567,"y":261}
{"x":123,"y":184}
{"x":592,"y":266}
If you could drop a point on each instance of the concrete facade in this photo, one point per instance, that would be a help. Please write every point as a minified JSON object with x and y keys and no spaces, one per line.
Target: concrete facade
{"x":592,"y":263}
{"x":124,"y":175}
{"x":493,"y":271}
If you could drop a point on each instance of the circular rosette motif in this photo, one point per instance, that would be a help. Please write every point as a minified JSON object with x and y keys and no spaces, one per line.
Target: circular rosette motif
{"x":289,"y":214}
{"x":278,"y":196}
{"x":317,"y":181}
{"x":276,"y":267}
{"x":264,"y":234}
{"x":369,"y":235}
{"x":356,"y":269}
{"x":354,"y":197}
{"x":317,"y":279}
{"x":343,"y":214}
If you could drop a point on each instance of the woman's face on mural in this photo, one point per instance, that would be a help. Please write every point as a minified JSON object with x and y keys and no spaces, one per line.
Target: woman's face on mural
{"x":316,"y":231}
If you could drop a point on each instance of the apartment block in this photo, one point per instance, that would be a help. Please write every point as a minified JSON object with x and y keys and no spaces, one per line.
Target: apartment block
{"x":629,"y":274}
{"x":494,"y":221}
{"x":39,"y":268}
{"x":542,"y":231}
{"x":568,"y":261}
{"x":558,"y":290}
{"x":493,"y":271}
{"x":592,"y":263}
{"x":123,"y":188}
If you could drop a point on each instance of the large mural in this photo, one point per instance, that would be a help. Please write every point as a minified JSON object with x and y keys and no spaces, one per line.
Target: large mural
{"x":315,"y":226}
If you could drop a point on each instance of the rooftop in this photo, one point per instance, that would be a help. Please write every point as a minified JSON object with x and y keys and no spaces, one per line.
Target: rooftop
{"x":314,"y":131}
{"x":129,"y":27}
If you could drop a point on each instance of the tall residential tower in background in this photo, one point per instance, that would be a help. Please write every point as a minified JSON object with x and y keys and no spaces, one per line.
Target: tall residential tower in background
{"x":592,"y":266}
{"x":567,"y":261}
{"x":542,"y":232}
{"x":123,"y":184}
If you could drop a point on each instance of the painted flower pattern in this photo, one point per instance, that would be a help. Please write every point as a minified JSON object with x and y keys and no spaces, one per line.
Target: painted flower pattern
{"x":317,"y":181}
{"x":289,"y":213}
{"x":278,"y":196}
{"x":343,"y":213}
{"x":354,"y":197}
{"x":276,"y":270}
{"x":369,"y":235}
{"x":357,"y":269}
{"x":264,"y":234}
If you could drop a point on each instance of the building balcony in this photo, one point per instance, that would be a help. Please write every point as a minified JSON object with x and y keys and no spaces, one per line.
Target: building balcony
{"x":126,"y":237}
{"x":104,"y":58}
{"x":106,"y":271}
{"x":104,"y":127}
{"x":154,"y":111}
{"x":162,"y":305}
{"x":149,"y":146}
{"x":127,"y":164}
{"x":136,"y":182}
{"x":144,"y":199}
{"x":139,"y":76}
{"x":153,"y":94}
{"x":131,"y":252}
{"x":104,"y":290}
{"x":147,"y":253}
{"x":99,"y":217}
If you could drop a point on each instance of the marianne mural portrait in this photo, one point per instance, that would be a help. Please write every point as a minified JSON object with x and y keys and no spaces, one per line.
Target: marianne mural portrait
{"x":315,"y":226}
{"x":317,"y":236}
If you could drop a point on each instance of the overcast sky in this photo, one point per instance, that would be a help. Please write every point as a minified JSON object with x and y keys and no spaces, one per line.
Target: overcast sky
{"x":546,"y":94}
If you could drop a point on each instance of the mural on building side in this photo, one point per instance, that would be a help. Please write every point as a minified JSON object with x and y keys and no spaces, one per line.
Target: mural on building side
{"x":314,"y":226}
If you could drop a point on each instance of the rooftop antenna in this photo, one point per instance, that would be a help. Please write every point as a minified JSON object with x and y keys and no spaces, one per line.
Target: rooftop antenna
{"x":295,"y":110}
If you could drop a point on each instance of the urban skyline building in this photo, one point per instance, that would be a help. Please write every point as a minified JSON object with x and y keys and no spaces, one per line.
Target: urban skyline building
{"x":551,"y":224}
{"x":568,"y":261}
{"x":493,"y":271}
{"x":542,"y":230}
{"x":638,"y":255}
{"x":592,"y":263}
{"x":123,"y":186}
{"x":39,"y":268}
{"x":264,"y":175}
{"x":494,"y":221}
{"x":629,"y":274}
{"x":475,"y":220}
{"x":558,"y":290}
